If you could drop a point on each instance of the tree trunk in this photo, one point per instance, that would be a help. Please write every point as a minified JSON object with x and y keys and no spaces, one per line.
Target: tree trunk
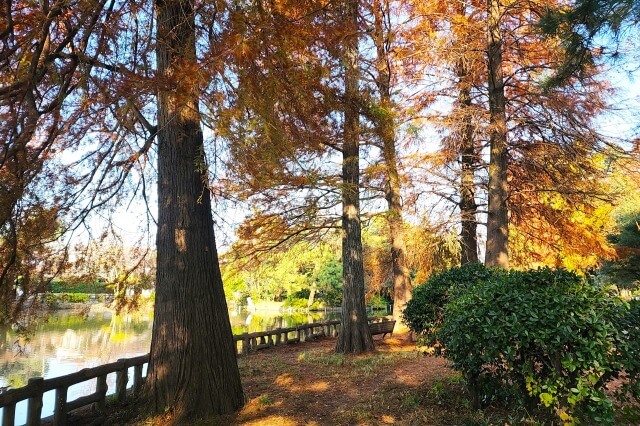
{"x":355,"y":336}
{"x":497,"y":218}
{"x":385,"y":127}
{"x":312,"y":295}
{"x":193,"y":369}
{"x":467,"y":204}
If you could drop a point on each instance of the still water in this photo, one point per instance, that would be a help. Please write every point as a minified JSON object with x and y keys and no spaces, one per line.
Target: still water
{"x":67,"y":342}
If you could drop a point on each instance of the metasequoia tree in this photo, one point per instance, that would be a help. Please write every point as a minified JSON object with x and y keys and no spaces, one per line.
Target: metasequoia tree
{"x":298,"y":109}
{"x":192,"y":366}
{"x":459,"y":48}
{"x":464,"y":134}
{"x":381,"y":110}
{"x":354,"y":336}
{"x":81,"y":75}
{"x":540,"y":124}
{"x":497,"y":253}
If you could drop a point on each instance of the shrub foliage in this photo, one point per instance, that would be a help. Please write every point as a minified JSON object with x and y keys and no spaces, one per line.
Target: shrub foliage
{"x":556,"y":337}
{"x":424,"y":312}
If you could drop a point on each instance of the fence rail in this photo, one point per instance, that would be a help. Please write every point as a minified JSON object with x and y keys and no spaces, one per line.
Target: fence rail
{"x":37,"y":386}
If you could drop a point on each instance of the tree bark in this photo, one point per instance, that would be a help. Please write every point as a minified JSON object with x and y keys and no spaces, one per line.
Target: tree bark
{"x":497,"y":218}
{"x":385,"y":127}
{"x":355,"y":336}
{"x":467,"y":203}
{"x":193,"y":369}
{"x":468,"y":206}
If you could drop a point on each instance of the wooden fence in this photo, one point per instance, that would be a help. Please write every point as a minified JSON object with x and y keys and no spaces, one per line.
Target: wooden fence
{"x":37,"y":386}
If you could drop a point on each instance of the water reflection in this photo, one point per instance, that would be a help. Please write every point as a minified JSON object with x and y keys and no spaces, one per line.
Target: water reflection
{"x":67,"y":342}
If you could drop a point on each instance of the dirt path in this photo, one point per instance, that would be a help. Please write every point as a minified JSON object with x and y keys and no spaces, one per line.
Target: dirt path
{"x":308,"y":384}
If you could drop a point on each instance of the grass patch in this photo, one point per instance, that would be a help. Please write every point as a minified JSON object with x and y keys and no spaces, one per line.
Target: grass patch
{"x":265,"y":401}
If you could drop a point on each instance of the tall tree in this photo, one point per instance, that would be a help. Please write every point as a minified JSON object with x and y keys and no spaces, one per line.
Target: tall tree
{"x":192,"y":368}
{"x":384,"y":119}
{"x":300,"y":101}
{"x":468,"y":151}
{"x":355,"y":336}
{"x":80,"y":77}
{"x":497,"y":253}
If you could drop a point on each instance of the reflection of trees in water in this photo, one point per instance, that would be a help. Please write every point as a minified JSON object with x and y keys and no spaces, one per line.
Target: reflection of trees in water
{"x":15,"y":373}
{"x":70,"y":340}
{"x":103,"y":337}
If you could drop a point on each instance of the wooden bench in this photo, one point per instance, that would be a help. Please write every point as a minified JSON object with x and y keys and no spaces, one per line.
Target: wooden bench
{"x":382,"y":327}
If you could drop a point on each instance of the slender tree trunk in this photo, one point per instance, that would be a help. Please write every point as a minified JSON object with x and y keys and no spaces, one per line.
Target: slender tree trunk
{"x":312,"y":295}
{"x":497,"y":219}
{"x":355,"y":336}
{"x":193,"y":369}
{"x":467,"y":204}
{"x":385,"y":126}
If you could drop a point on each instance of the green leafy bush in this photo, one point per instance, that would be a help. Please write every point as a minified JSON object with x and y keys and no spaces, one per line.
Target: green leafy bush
{"x":549,"y":332}
{"x":378,"y":302}
{"x":56,"y":298}
{"x":423,"y":314}
{"x":628,"y":349}
{"x":296,"y":303}
{"x":95,"y":287}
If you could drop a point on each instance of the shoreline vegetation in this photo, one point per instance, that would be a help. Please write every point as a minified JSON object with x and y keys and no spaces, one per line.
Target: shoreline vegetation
{"x":80,"y":301}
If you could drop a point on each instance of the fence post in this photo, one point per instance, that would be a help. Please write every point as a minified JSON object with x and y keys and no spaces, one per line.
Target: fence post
{"x":34,"y":407}
{"x":60,"y":411}
{"x":121,"y":382}
{"x":245,"y":343}
{"x":137,"y":379}
{"x":9,"y":415}
{"x":101,"y":389}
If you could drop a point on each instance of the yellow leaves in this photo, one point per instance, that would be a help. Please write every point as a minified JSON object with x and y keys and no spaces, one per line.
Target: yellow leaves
{"x":566,"y":418}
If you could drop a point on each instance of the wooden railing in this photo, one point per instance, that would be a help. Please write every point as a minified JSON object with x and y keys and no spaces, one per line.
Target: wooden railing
{"x":37,"y":386}
{"x":281,"y":336}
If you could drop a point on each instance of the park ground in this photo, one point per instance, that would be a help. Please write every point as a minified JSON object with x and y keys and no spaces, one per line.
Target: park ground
{"x":309,"y":384}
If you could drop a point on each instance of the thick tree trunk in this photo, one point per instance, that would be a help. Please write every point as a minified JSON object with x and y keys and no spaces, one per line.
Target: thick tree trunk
{"x":193,"y":369}
{"x":385,"y":127}
{"x":355,"y":336}
{"x":497,"y":219}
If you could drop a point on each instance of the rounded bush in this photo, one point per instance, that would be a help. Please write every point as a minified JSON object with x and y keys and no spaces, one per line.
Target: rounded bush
{"x":550,"y":332}
{"x":423,"y":314}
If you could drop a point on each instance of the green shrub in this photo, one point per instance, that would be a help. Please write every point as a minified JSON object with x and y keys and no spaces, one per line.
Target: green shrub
{"x":423,"y":314}
{"x":56,"y":298}
{"x":628,"y":349}
{"x":295,"y":303}
{"x":549,"y":332}
{"x":378,"y":302}
{"x":95,"y":287}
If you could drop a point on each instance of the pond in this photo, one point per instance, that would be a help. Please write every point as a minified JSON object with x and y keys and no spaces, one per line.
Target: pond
{"x":68,"y":341}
